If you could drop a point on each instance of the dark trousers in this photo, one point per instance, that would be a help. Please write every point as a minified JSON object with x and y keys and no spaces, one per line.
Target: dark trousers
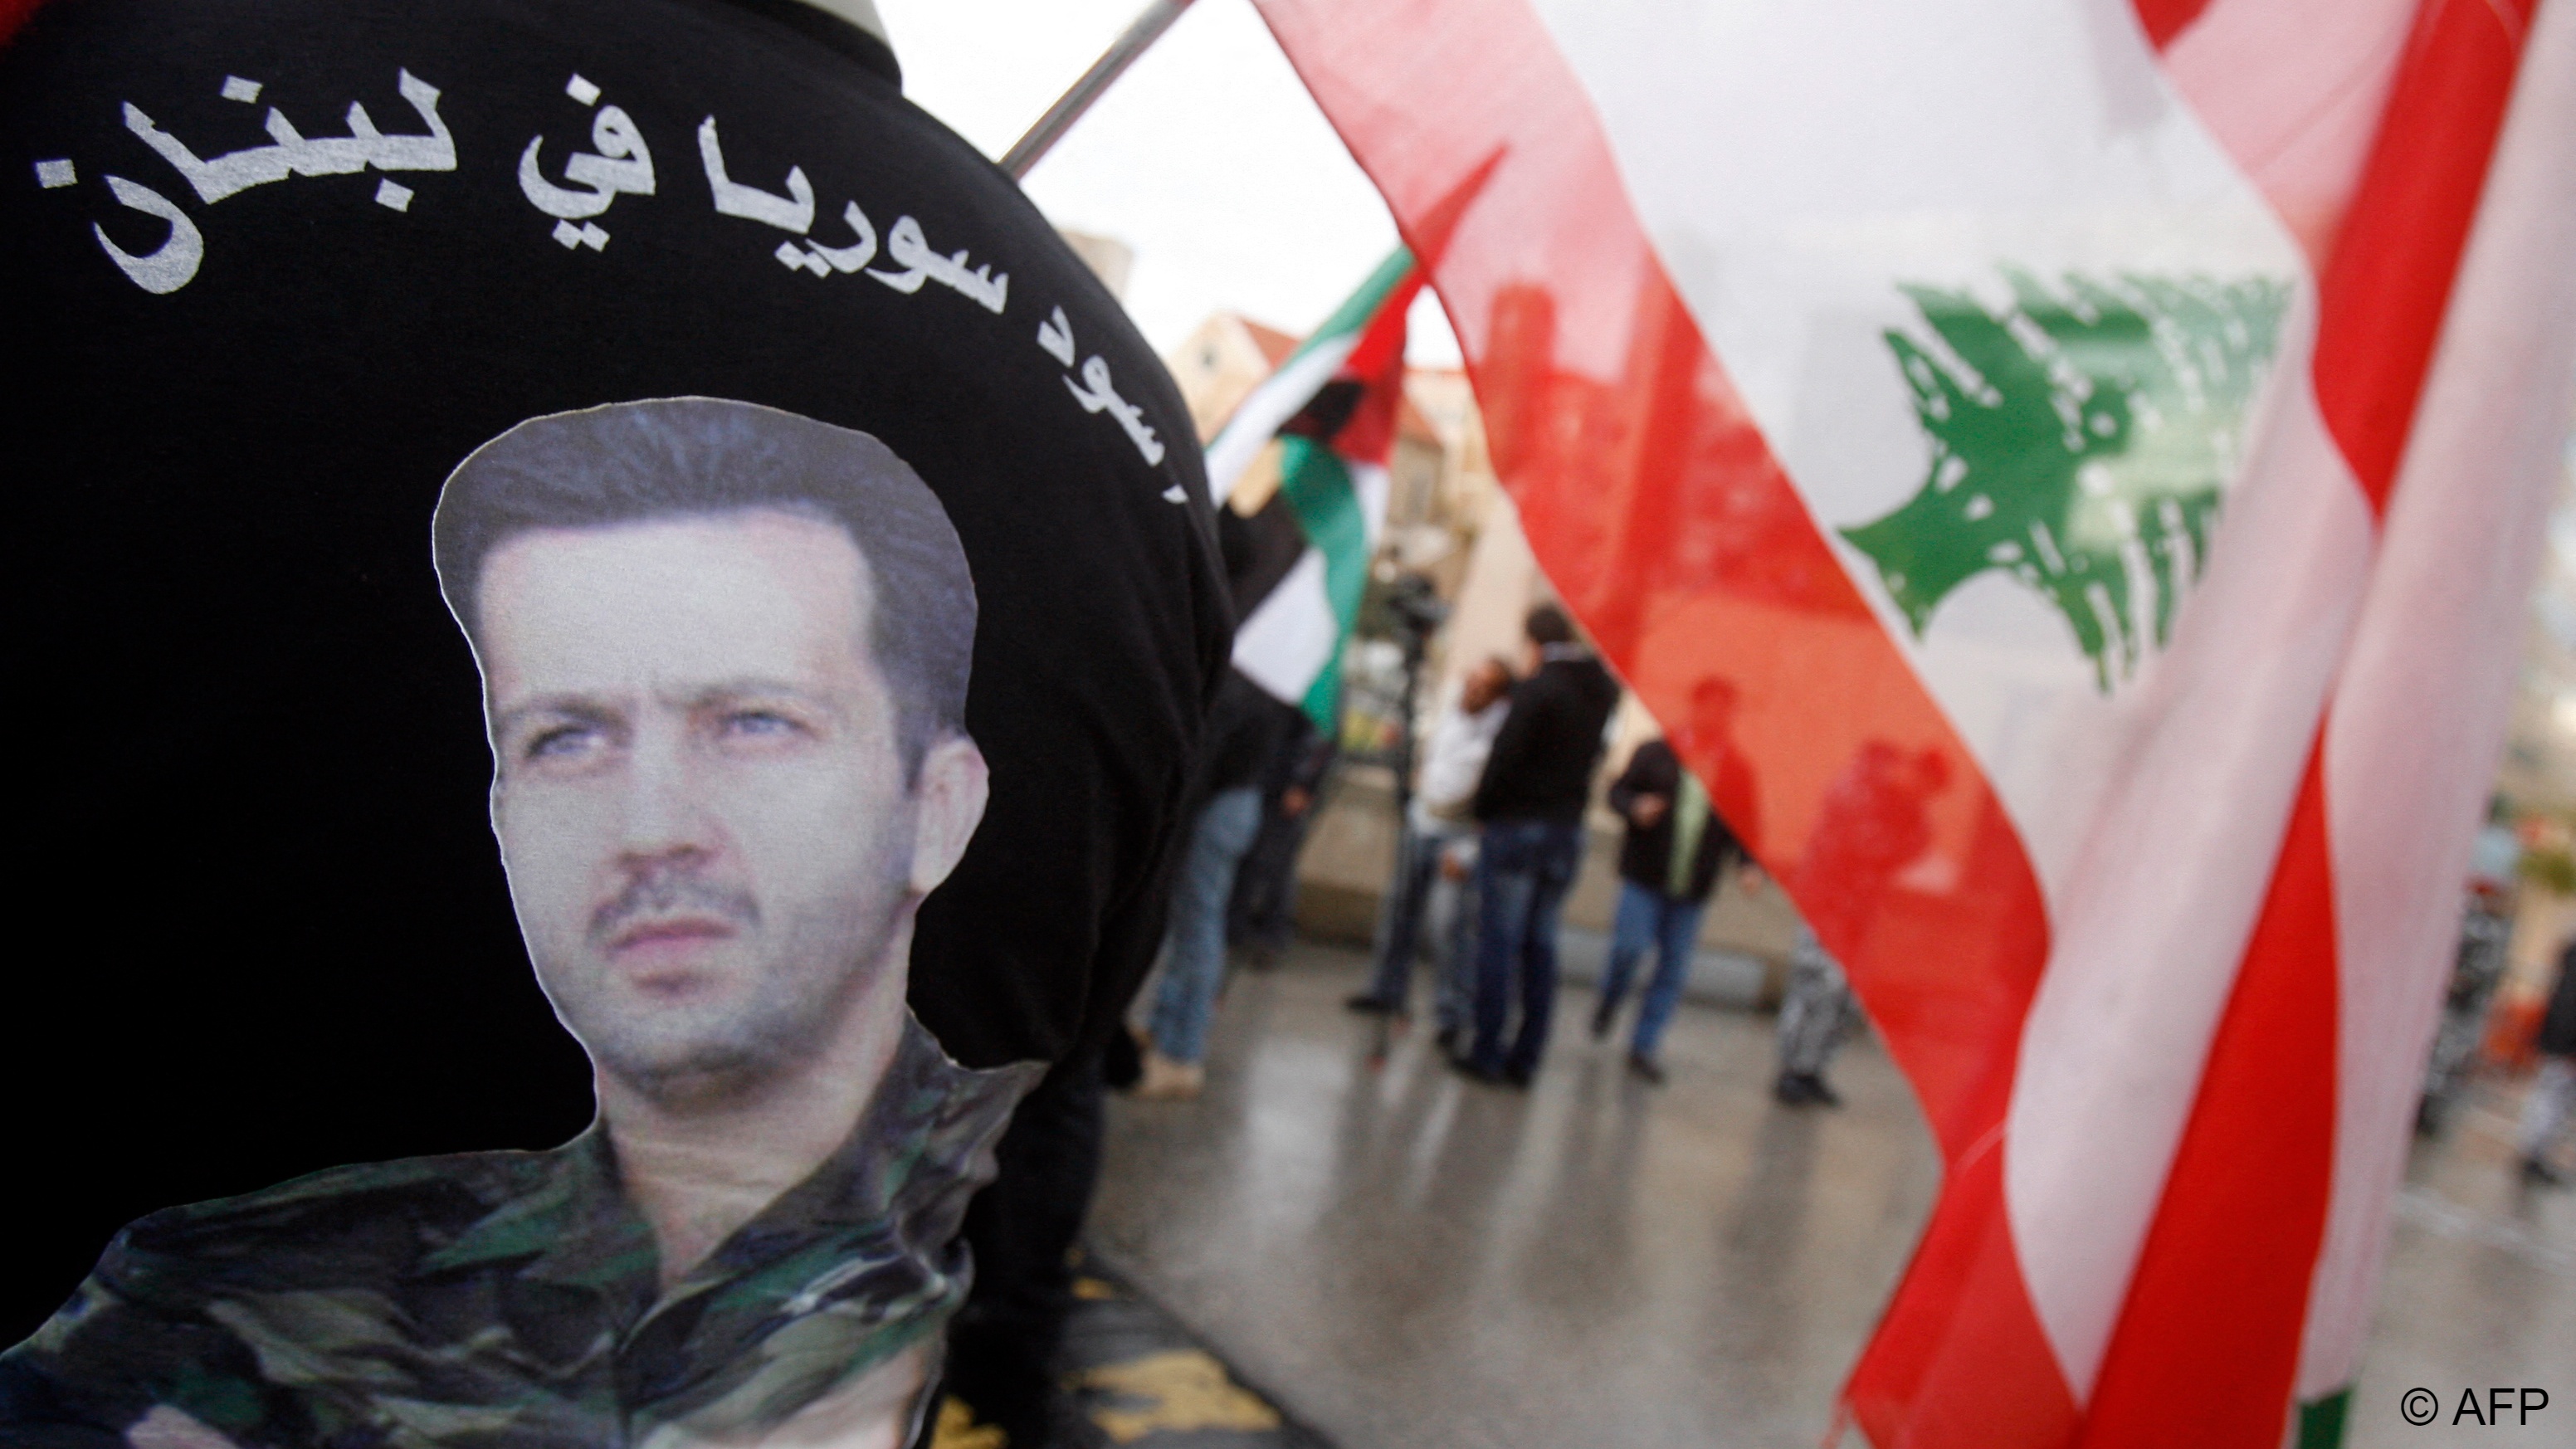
{"x":1399,"y":922}
{"x":1022,"y":1227}
{"x":1523,"y":869}
{"x":1262,"y":913}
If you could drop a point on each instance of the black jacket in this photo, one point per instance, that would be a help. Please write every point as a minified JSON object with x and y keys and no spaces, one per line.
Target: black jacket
{"x":1646,"y":856}
{"x":1541,"y":767}
{"x":2558,"y":1028}
{"x":245,"y":469}
{"x":1300,"y":757}
{"x":1244,"y":731}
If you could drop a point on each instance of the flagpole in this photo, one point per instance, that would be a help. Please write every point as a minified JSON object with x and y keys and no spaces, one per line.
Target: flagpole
{"x":1147,"y":28}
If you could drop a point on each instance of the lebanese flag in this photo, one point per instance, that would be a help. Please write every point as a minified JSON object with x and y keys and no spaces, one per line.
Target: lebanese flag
{"x":1332,"y":404}
{"x":2146,"y":413}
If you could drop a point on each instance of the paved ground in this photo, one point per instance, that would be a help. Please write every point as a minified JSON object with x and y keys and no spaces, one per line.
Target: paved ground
{"x":2480,"y":1291}
{"x":1403,"y":1258}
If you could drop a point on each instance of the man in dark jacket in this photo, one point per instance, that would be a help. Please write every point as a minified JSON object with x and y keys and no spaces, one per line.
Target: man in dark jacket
{"x":1261,"y":915}
{"x":1668,"y":867}
{"x":287,"y":265}
{"x":2553,"y":1092}
{"x":1530,"y":803}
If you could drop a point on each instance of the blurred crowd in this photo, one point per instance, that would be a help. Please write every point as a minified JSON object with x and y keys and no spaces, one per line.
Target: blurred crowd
{"x":1491,"y":839}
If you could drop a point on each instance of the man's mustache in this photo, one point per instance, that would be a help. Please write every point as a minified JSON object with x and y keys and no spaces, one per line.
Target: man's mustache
{"x":671,"y":891}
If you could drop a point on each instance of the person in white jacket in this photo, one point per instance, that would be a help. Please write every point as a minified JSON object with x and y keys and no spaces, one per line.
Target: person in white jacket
{"x":1437,"y":846}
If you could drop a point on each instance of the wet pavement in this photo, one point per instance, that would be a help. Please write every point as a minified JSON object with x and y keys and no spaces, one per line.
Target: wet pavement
{"x":2480,"y":1291}
{"x":1401,"y":1257}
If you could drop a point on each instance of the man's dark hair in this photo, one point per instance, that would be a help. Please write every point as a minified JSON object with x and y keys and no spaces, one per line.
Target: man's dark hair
{"x":703,"y":457}
{"x":1547,"y":624}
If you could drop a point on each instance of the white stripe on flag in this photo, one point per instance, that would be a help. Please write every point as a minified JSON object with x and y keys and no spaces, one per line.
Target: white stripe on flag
{"x":1943,"y":145}
{"x":2152,"y":926}
{"x":1292,"y":633}
{"x":1260,"y":416}
{"x":2427,"y":687}
{"x":1370,"y":482}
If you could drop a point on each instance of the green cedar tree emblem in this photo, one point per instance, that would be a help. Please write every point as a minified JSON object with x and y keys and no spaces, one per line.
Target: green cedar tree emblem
{"x":2081,"y":439}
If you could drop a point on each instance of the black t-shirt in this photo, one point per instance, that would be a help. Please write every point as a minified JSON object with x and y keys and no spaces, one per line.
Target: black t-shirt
{"x":2558,"y":1026}
{"x":1541,"y":766}
{"x":272,"y":270}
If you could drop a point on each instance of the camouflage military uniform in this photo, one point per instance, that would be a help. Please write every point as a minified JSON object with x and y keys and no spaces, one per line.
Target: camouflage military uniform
{"x":509,"y":1300}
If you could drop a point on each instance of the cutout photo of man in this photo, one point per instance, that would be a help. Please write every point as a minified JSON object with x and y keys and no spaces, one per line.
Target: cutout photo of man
{"x":725,"y":653}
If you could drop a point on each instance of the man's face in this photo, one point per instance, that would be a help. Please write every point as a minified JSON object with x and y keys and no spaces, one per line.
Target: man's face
{"x":1485,"y":684}
{"x":699,"y":794}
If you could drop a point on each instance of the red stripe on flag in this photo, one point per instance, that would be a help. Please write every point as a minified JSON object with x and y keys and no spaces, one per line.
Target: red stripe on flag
{"x":2245,"y":1202}
{"x":1377,"y":363}
{"x":2207,"y":1347}
{"x":2166,"y":19}
{"x":1960,"y":1359}
{"x":1381,"y":343}
{"x":1659,"y":512}
{"x":2381,"y":299}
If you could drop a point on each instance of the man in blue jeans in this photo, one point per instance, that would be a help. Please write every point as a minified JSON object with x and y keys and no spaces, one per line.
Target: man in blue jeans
{"x":1530,"y":804}
{"x":1244,"y":728}
{"x":1668,"y":868}
{"x":1436,"y":826}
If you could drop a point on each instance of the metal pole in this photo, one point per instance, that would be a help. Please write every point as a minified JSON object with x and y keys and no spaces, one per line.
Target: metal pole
{"x":1413,"y":658}
{"x":1113,"y":63}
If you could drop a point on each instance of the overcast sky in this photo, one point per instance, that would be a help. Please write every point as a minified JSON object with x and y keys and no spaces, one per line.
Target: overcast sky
{"x":1207,"y":158}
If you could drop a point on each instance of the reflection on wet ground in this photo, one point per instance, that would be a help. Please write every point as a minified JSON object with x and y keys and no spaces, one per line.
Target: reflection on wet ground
{"x":2480,"y":1290}
{"x":1406,"y":1258}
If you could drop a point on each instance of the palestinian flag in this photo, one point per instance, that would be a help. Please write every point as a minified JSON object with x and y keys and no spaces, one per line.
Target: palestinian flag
{"x":1332,"y":404}
{"x":2103,"y":446}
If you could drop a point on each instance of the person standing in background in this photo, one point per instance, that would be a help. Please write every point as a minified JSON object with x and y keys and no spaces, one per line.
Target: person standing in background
{"x":1244,"y":728}
{"x":1817,"y":1011}
{"x":1530,"y":804}
{"x":1261,"y":914}
{"x":1873,"y":822}
{"x":1438,"y":821}
{"x":2553,"y":1091}
{"x":1668,"y":869}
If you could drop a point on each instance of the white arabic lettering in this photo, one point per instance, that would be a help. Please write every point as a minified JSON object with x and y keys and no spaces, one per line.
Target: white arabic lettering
{"x":1100,"y":396}
{"x":174,"y":264}
{"x":623,"y":165}
{"x":735,"y":199}
{"x":823,"y":261}
{"x":295,"y":154}
{"x":858,"y":253}
{"x":911,"y":251}
{"x":1056,"y":335}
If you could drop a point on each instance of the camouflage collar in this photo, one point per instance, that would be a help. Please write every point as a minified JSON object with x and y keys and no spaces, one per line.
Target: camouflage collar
{"x":511,"y":1297}
{"x":566,"y":1214}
